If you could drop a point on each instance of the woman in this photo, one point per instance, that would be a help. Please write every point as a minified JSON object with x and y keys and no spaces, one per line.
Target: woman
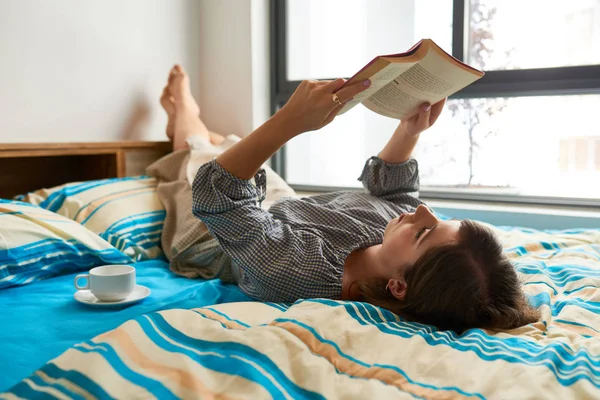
{"x":383,"y":246}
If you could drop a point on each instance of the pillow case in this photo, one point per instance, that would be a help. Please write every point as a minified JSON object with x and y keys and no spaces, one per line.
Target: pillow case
{"x":126,"y":212}
{"x":37,"y":244}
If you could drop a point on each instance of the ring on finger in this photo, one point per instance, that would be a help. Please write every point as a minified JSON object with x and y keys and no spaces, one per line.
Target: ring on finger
{"x":336,"y":99}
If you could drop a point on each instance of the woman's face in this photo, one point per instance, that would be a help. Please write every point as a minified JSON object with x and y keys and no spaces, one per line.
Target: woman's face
{"x":409,"y":236}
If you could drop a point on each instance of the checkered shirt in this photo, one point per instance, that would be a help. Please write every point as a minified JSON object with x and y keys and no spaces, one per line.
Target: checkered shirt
{"x":298,"y":247}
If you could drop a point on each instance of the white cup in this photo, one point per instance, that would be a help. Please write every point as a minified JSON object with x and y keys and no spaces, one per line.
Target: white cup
{"x":110,"y":282}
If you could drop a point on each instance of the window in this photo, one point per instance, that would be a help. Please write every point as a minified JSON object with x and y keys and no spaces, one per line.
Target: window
{"x":533,"y":33}
{"x":526,"y":132}
{"x":368,"y":29}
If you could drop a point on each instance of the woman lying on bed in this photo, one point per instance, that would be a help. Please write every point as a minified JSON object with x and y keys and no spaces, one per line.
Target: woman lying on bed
{"x":382,"y":246}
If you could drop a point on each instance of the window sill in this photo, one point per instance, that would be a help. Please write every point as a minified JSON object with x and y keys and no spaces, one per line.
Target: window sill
{"x":509,"y":214}
{"x":530,"y":216}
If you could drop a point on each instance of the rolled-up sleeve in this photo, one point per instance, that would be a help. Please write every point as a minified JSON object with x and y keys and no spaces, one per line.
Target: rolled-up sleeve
{"x":283,"y":263}
{"x":391,"y":181}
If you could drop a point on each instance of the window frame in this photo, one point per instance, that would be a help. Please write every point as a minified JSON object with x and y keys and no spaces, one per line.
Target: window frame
{"x":555,"y":81}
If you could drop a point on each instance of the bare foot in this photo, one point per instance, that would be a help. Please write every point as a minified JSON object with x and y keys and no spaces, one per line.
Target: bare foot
{"x":179,"y":83}
{"x":186,"y":122}
{"x":166,"y":101}
{"x":179,"y":88}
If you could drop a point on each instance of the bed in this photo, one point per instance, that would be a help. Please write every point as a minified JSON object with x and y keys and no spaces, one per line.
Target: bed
{"x":204,"y":339}
{"x":39,"y":321}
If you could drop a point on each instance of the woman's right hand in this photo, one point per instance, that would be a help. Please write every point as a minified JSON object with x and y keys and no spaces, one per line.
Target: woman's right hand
{"x":312,"y":105}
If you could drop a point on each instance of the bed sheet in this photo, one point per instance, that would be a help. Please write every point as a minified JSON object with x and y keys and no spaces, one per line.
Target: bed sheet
{"x":40,"y":321}
{"x":334,"y":349}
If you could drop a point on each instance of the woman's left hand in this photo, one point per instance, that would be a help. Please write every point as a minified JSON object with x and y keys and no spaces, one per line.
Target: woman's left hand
{"x":313,"y":105}
{"x":426,"y":117}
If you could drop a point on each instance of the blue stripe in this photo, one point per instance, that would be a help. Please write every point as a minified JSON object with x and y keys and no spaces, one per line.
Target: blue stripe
{"x":75,"y":378}
{"x":39,"y":269}
{"x":546,"y":246}
{"x":554,"y":291}
{"x":564,"y":321}
{"x":367,"y":365}
{"x":371,"y":313}
{"x":153,"y":238}
{"x":30,"y":251}
{"x":137,"y":219}
{"x":133,"y":251}
{"x":112,"y":357}
{"x":58,"y":387}
{"x":12,"y":213}
{"x":592,"y":306}
{"x":121,"y":235}
{"x":540,"y":299}
{"x":50,"y":257}
{"x":571,"y":231}
{"x":567,"y":292}
{"x":25,"y":391}
{"x":63,"y":264}
{"x":124,"y":245}
{"x":560,"y":275}
{"x":101,"y":206}
{"x":60,"y":262}
{"x":227,"y":317}
{"x":33,"y":249}
{"x":145,"y":226}
{"x":48,"y":219}
{"x":228,"y":361}
{"x":149,"y":240}
{"x":146,"y":231}
{"x":56,"y":199}
{"x":516,"y":229}
{"x":43,"y":216}
{"x":17,"y":203}
{"x":578,"y":364}
{"x":520,"y":250}
{"x":210,"y":319}
{"x":280,"y":306}
{"x":143,"y":233}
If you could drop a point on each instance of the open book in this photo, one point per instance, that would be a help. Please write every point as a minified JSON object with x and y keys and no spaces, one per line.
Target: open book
{"x":400,"y":83}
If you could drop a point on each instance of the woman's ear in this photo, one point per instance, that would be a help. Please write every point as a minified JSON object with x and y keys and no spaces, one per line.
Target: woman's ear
{"x":397,"y":288}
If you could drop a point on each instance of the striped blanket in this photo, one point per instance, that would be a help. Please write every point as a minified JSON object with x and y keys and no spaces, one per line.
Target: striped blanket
{"x":335,"y":349}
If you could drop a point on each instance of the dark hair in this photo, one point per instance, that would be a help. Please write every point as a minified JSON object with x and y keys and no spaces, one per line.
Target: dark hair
{"x":471,"y":284}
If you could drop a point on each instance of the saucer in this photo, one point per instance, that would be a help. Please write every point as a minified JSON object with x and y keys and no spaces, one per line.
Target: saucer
{"x":86,"y":297}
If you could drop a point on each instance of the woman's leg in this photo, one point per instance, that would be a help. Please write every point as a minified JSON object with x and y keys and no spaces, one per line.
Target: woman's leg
{"x":193,"y":252}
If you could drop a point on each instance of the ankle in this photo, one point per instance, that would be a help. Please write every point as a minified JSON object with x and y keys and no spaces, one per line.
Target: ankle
{"x":185,"y":106}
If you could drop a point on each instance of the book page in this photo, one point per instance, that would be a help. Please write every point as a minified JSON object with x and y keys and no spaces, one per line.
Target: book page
{"x":437,"y":75}
{"x":378,"y":81}
{"x":430,"y":80}
{"x":393,"y":101}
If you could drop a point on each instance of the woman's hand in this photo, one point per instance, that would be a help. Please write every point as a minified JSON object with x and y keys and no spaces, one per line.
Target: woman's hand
{"x":426,"y":117}
{"x":402,"y":143}
{"x":312,"y":106}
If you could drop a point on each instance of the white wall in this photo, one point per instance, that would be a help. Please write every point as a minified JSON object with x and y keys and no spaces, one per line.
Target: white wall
{"x":234,"y":74}
{"x":93,"y":70}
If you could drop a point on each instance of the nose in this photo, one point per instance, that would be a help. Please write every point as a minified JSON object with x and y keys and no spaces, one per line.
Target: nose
{"x":423,"y":213}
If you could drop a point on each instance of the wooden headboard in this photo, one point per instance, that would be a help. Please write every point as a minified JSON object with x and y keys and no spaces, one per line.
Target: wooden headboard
{"x":30,"y":166}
